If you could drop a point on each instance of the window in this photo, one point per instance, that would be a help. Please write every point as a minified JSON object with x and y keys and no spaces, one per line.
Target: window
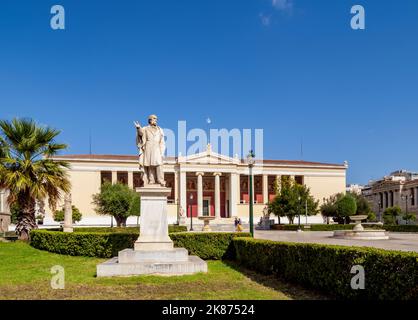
{"x":412,"y":197}
{"x":122,"y":177}
{"x":138,"y":183}
{"x":299,"y":180}
{"x":106,"y":176}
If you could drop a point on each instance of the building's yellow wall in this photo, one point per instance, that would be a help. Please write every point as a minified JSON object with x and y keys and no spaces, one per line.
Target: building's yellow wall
{"x":325,"y":186}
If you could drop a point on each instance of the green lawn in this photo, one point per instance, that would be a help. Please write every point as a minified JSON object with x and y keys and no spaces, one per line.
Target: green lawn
{"x":25,"y":274}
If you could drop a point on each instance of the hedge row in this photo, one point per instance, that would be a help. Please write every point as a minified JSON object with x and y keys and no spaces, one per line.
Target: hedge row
{"x":208,"y":245}
{"x":93,"y":244}
{"x":332,"y":227}
{"x":388,"y":274}
{"x":401,"y":228}
{"x":171,"y":228}
{"x":107,"y":245}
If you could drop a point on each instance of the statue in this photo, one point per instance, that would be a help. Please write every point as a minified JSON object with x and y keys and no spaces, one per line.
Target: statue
{"x":151,"y":147}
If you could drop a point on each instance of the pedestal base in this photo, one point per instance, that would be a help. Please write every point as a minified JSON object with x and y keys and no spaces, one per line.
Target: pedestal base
{"x":153,"y":252}
{"x":113,"y":268}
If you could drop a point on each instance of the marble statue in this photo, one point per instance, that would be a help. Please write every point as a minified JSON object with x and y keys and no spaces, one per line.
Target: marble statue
{"x":151,"y":147}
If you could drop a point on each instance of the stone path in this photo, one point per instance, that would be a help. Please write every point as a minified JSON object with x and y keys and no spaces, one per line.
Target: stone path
{"x":397,"y":241}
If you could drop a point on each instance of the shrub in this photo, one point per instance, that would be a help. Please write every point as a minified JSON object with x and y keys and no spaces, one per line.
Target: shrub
{"x":102,"y":245}
{"x":108,"y":244}
{"x":171,"y":228}
{"x":401,"y":228}
{"x":389,"y":274}
{"x":323,"y":227}
{"x":210,"y":245}
{"x":390,"y":215}
{"x":346,"y":207}
{"x":59,"y":215}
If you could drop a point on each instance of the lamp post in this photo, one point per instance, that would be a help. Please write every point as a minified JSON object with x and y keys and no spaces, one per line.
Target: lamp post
{"x":306,"y":211}
{"x":299,"y":229}
{"x":191,"y":213}
{"x":405,"y":197}
{"x":251,"y":161}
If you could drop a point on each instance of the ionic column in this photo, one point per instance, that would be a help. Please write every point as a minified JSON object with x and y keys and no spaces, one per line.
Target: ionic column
{"x":416,"y":196}
{"x":279,"y":182}
{"x":265,"y":188}
{"x":114,"y":177}
{"x":130,"y":179}
{"x":68,"y":214}
{"x":176,"y":188}
{"x":217,"y":195}
{"x":182,"y":191}
{"x":233,"y":194}
{"x":199,"y":193}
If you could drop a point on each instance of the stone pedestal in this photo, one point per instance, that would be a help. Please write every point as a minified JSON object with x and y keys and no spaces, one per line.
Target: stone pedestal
{"x":153,"y":252}
{"x":154,"y":226}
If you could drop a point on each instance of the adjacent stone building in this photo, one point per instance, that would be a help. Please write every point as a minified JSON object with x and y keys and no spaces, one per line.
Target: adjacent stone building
{"x":400,"y":188}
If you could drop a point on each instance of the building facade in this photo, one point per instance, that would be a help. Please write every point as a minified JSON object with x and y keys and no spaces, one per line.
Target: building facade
{"x":202,"y":184}
{"x":399,"y":188}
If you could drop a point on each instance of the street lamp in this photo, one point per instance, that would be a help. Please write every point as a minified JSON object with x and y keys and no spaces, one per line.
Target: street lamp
{"x":299,"y":229}
{"x":306,"y":211}
{"x":191,"y":213}
{"x":251,"y":161}
{"x":405,"y":197}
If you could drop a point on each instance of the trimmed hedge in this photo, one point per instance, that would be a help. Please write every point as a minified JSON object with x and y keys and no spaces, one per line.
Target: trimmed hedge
{"x":332,"y":227}
{"x":91,"y":244}
{"x":107,"y":245}
{"x":401,"y":228}
{"x":171,"y":228}
{"x":388,"y":274}
{"x":208,"y":245}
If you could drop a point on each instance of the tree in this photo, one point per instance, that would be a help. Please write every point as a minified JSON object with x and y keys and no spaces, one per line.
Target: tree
{"x":390,"y":215}
{"x":408,"y":217}
{"x":346,"y":207}
{"x":329,"y":208}
{"x":117,"y":200}
{"x":363,"y":206}
{"x":76,"y":216}
{"x":290,"y":201}
{"x":27,"y":170}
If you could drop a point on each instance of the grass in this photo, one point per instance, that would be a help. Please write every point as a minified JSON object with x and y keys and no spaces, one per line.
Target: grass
{"x":25,"y":274}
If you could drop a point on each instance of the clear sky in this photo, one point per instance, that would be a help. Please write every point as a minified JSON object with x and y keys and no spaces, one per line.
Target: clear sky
{"x":292,"y":67}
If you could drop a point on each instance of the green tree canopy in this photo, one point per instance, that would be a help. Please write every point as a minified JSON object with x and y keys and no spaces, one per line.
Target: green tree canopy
{"x":117,"y":200}
{"x":76,"y":216}
{"x":291,"y":200}
{"x":27,"y":170}
{"x":390,"y":215}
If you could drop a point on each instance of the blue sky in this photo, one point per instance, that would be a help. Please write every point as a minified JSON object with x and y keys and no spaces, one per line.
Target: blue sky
{"x":294,"y":68}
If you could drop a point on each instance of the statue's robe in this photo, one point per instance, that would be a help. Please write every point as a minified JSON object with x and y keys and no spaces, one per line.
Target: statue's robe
{"x":151,"y":145}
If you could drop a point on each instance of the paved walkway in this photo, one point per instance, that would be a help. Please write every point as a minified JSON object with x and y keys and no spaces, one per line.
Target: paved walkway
{"x":397,"y":241}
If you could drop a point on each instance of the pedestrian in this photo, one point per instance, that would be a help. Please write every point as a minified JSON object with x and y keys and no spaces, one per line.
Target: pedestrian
{"x":239,"y":225}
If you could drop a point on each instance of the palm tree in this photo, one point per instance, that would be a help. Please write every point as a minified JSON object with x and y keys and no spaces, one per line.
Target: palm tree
{"x":27,"y":170}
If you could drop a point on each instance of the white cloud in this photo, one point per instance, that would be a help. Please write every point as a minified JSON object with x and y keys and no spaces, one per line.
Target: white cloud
{"x":282,"y":5}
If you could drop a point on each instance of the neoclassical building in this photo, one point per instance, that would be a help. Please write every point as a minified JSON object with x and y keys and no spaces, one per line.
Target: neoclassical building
{"x":206,"y":183}
{"x":399,"y":188}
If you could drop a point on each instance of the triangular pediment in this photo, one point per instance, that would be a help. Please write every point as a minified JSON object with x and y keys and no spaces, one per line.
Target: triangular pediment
{"x":209,"y":157}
